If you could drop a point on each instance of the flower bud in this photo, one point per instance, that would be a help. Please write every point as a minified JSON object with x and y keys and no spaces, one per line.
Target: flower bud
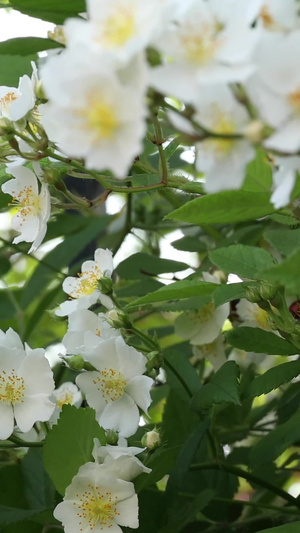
{"x":255,"y":131}
{"x":75,"y":362}
{"x":112,"y":437}
{"x":105,"y":285}
{"x":267,"y":291}
{"x":151,"y":440}
{"x":253,"y":294}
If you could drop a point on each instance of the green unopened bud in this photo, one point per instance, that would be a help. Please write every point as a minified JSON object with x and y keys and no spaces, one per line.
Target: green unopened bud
{"x":51,"y":175}
{"x":118,"y":319}
{"x":253,"y":294}
{"x":151,"y":440}
{"x":154,"y":360}
{"x":112,"y":437}
{"x":267,"y":291}
{"x":6,"y":127}
{"x":75,"y":362}
{"x":105,"y":285}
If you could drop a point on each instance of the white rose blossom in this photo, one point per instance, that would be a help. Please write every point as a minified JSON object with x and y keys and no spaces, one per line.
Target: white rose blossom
{"x":86,"y":329}
{"x":91,"y":112}
{"x":118,"y":28}
{"x":252,"y":315}
{"x":120,"y":459}
{"x":16,"y":102}
{"x":97,"y":501}
{"x":66,"y":394}
{"x":222,"y":160}
{"x":117,"y":387}
{"x":213,"y":351}
{"x":199,"y":50}
{"x":84,"y":288}
{"x":26,"y":384}
{"x":31,"y":195}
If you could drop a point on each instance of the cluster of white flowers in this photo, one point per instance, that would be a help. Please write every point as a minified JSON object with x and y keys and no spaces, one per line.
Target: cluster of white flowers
{"x":101,"y":497}
{"x":233,"y":63}
{"x":117,"y":387}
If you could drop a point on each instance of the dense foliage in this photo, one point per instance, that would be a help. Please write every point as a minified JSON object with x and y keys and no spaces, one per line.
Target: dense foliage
{"x":188,"y":358}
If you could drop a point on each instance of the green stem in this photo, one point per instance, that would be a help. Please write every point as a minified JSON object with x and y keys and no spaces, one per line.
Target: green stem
{"x":145,"y":338}
{"x":258,"y":505}
{"x":19,"y":443}
{"x":231,"y":469}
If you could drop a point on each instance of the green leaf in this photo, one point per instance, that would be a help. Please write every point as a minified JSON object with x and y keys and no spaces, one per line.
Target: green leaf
{"x":227,"y":293}
{"x":140,"y":265}
{"x":181,"y":375}
{"x":259,"y":341}
{"x":225,"y":207}
{"x":276,"y":442}
{"x":284,"y":240}
{"x":287,"y":528}
{"x":286,"y":273}
{"x":223,"y":388}
{"x":70,"y":443}
{"x":52,"y":10}
{"x":185,"y":458}
{"x":4,"y":266}
{"x":38,"y":488}
{"x":259,"y":174}
{"x":12,"y":67}
{"x":273,"y":378}
{"x":190,"y":244}
{"x":245,"y":261}
{"x":24,"y":46}
{"x":176,"y":291}
{"x":10,"y":515}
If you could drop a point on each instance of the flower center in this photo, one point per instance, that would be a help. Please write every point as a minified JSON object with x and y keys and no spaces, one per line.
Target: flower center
{"x":12,"y":388}
{"x":101,"y":118}
{"x":6,"y":100}
{"x":97,"y":507}
{"x":202,"y":315}
{"x":111,"y":384}
{"x":199,"y":44}
{"x":27,"y":201}
{"x":86,"y":283}
{"x":64,"y":398}
{"x":266,"y":17}
{"x":294,"y":100}
{"x":119,"y":27}
{"x":223,"y":124}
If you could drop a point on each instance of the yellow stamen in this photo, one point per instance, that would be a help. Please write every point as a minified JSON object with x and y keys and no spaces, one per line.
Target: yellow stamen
{"x":119,"y":27}
{"x":97,"y":507}
{"x":12,"y":388}
{"x":111,"y":384}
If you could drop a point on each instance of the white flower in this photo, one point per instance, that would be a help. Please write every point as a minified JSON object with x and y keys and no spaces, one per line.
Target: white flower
{"x":84,"y":289}
{"x":214,"y":352}
{"x":275,"y":89}
{"x":202,"y":326}
{"x":121,"y":460}
{"x":252,"y":315}
{"x":199,"y":50}
{"x":97,"y":502}
{"x":31,"y":195}
{"x":222,"y":160}
{"x":67,"y":393}
{"x":117,"y":387}
{"x":87,"y":329}
{"x":26,"y":383}
{"x":284,"y":180}
{"x":16,"y":102}
{"x":92,"y":113}
{"x":275,"y":15}
{"x":118,"y":28}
